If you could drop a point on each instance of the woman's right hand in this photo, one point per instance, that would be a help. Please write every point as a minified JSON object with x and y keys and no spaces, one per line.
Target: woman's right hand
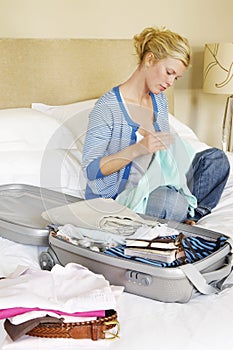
{"x":150,"y":143}
{"x":155,"y":141}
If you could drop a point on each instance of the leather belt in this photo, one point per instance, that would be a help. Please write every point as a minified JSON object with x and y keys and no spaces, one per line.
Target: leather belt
{"x":47,"y":327}
{"x":96,"y":329}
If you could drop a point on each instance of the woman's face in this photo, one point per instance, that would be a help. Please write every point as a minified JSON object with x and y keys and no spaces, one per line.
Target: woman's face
{"x":162,"y":74}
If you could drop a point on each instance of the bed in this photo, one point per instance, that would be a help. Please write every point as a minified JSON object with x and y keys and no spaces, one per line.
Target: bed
{"x":47,"y":88}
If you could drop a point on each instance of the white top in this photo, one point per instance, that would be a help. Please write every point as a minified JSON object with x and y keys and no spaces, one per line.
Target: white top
{"x":70,"y":289}
{"x":139,"y":166}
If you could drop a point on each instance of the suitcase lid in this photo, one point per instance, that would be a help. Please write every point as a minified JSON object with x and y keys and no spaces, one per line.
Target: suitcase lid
{"x":20,"y":212}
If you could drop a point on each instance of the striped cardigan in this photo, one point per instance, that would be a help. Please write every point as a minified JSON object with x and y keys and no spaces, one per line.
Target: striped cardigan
{"x":110,"y":129}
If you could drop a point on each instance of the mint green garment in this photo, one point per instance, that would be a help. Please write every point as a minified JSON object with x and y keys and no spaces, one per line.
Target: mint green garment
{"x":169,"y":167}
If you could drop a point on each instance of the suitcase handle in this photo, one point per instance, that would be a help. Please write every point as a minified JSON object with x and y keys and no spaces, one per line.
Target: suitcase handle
{"x":202,"y":281}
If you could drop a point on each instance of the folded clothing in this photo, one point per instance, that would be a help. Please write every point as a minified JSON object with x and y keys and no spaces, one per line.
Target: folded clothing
{"x":196,"y":248}
{"x":98,"y":213}
{"x":24,"y":313}
{"x":72,"y":288}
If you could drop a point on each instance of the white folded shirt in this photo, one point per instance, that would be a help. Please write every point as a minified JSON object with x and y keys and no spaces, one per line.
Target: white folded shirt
{"x":99,"y":213}
{"x":72,"y":288}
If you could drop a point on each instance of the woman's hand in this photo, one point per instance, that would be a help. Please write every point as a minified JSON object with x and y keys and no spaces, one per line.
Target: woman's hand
{"x":151,"y":143}
{"x":155,"y":141}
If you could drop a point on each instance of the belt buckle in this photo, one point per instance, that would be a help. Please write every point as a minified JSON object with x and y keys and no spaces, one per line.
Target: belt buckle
{"x":111,"y":335}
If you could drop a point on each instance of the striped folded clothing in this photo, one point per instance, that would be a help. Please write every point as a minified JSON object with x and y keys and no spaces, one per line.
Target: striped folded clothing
{"x":196,"y":248}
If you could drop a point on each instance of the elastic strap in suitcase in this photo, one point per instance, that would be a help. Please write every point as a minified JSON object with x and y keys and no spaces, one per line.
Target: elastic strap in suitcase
{"x":201,"y":283}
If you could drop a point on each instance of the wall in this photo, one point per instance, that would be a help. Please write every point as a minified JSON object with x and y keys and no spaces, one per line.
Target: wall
{"x":200,"y":21}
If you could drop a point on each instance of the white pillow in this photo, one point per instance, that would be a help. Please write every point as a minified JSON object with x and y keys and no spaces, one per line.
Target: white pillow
{"x":64,"y":112}
{"x":24,"y":129}
{"x":185,"y":132}
{"x":61,"y":170}
{"x":181,"y":129}
{"x":58,"y":169}
{"x":74,"y":116}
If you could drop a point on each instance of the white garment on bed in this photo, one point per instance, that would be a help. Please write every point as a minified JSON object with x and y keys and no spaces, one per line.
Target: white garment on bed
{"x":71,"y":288}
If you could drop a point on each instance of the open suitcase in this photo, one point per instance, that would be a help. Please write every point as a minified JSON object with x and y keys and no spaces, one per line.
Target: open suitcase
{"x":173,"y":284}
{"x":21,"y":221}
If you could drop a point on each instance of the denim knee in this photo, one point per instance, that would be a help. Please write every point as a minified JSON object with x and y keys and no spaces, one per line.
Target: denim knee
{"x":206,"y":179}
{"x":166,"y":202}
{"x":215,"y":154}
{"x":225,"y":164}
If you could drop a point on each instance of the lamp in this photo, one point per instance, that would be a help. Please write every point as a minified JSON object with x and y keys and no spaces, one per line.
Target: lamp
{"x":218,"y":79}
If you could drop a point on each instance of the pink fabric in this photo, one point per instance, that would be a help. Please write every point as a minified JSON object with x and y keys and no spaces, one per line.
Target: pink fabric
{"x":11,"y":312}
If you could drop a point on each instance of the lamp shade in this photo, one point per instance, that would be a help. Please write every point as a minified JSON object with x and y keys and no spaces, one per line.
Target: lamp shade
{"x":218,"y":68}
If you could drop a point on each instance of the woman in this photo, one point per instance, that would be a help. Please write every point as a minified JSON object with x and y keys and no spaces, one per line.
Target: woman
{"x":128,"y":134}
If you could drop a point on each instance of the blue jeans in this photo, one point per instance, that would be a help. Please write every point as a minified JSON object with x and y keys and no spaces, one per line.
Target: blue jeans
{"x":206,"y":179}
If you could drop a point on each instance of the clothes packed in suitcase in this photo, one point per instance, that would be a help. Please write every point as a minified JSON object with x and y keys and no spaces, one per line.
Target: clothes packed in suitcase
{"x":161,"y":260}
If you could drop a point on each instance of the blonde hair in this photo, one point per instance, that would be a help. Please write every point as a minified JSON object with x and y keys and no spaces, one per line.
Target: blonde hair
{"x":162,"y":43}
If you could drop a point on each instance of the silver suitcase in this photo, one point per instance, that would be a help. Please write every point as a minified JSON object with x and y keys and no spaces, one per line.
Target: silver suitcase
{"x":20,"y":212}
{"x":173,"y":284}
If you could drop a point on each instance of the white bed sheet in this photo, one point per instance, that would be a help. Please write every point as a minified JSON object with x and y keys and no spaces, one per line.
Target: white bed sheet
{"x":203,"y":323}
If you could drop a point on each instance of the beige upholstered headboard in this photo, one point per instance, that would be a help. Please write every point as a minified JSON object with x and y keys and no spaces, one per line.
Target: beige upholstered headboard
{"x":62,"y":71}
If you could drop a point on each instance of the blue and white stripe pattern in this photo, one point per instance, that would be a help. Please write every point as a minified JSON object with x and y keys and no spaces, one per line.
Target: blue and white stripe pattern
{"x":110,"y":130}
{"x":200,"y":248}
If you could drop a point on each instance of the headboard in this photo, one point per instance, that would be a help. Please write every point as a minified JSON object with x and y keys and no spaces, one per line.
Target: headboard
{"x":62,"y":71}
